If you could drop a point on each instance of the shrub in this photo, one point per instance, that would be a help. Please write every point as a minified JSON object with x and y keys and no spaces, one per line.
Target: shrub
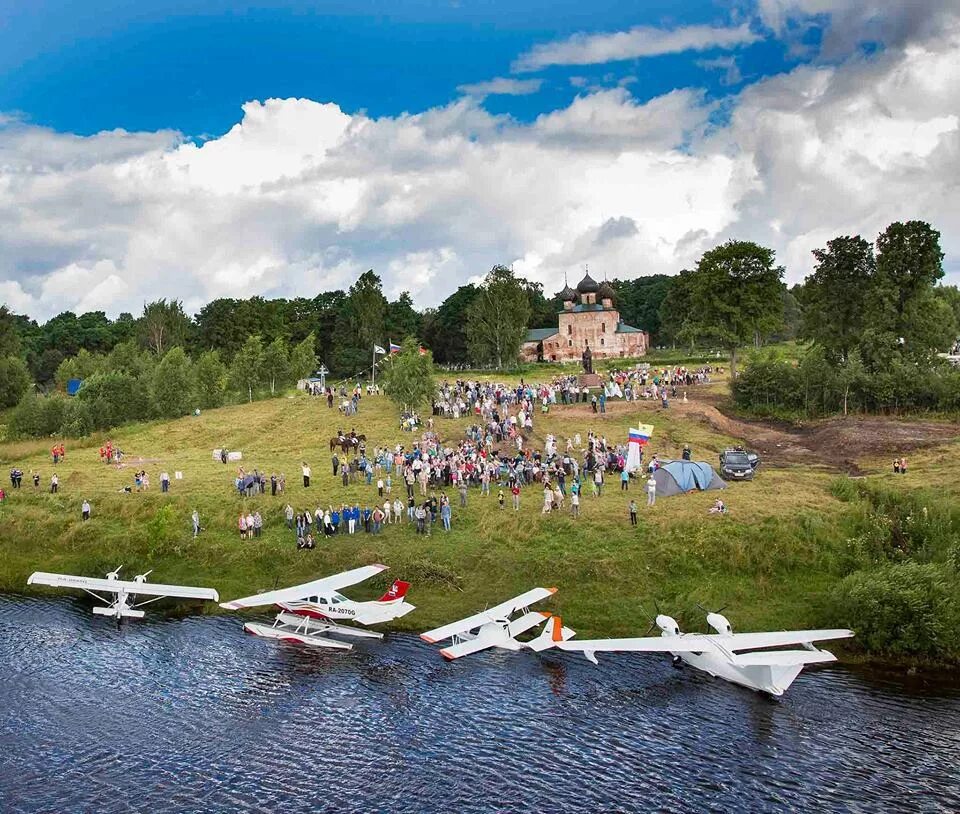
{"x":901,"y":610}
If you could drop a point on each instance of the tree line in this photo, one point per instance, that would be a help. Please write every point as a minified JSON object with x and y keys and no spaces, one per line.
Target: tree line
{"x":872,"y":317}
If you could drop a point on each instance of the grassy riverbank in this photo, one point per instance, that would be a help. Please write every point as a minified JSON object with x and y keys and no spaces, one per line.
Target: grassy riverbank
{"x":773,"y":560}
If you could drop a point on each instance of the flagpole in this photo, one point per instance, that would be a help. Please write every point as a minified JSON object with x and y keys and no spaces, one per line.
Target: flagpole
{"x":373,"y":382}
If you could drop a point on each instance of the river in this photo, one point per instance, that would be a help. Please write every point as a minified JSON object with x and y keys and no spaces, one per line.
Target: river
{"x":191,"y":715}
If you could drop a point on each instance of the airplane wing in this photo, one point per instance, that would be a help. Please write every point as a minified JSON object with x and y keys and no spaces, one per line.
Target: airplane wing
{"x":116,"y":585}
{"x":501,"y":611}
{"x":318,"y":586}
{"x":645,"y":644}
{"x":754,"y":641}
{"x":456,"y":651}
{"x":526,"y":622}
{"x":783,"y":658}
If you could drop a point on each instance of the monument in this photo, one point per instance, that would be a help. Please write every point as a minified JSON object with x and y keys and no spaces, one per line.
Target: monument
{"x":588,"y":378}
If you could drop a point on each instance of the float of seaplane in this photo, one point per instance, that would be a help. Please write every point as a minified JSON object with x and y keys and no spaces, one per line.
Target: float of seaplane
{"x":311,"y":610}
{"x":495,"y":627}
{"x":741,"y":658}
{"x":123,"y":595}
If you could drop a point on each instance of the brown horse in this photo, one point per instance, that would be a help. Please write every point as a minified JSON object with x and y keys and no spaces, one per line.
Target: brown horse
{"x":347,"y":444}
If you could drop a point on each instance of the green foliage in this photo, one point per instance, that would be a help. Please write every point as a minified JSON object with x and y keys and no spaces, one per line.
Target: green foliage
{"x":735,"y":296}
{"x":81,"y":366}
{"x":276,"y":363}
{"x":444,"y":330}
{"x":10,"y":344}
{"x":408,"y":376}
{"x":360,"y":324}
{"x":164,"y":325}
{"x":908,"y":609}
{"x":172,"y":387}
{"x":115,"y":398}
{"x":303,"y":358}
{"x":246,"y":370}
{"x":14,"y":380}
{"x":497,"y":318}
{"x":640,"y":300}
{"x":210,"y":380}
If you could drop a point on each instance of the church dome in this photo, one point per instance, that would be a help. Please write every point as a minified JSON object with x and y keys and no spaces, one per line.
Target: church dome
{"x":588,"y":285}
{"x":568,"y":294}
{"x":606,"y":291}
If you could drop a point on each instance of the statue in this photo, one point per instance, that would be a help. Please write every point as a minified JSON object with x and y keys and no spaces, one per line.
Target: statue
{"x":587,"y":359}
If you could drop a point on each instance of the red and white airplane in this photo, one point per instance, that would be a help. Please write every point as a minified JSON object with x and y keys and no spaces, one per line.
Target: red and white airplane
{"x":495,"y":628}
{"x":308,"y":611}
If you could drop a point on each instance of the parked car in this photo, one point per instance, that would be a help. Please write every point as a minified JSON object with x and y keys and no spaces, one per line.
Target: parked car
{"x":738,"y":464}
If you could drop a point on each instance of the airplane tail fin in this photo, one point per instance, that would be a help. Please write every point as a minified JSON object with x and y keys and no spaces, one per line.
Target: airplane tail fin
{"x":396,"y":592}
{"x":553,"y":632}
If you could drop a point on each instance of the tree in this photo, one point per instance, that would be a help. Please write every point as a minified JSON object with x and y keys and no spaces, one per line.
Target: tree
{"x":210,"y":379}
{"x":276,"y":363}
{"x":408,"y":376}
{"x":9,"y":335}
{"x":81,"y":366}
{"x":303,"y":358}
{"x":497,"y":318}
{"x":163,"y":325}
{"x":14,"y":380}
{"x":246,"y":370}
{"x":736,"y":296}
{"x":172,"y":387}
{"x":444,"y":331}
{"x":834,"y":296}
{"x":676,"y":310}
{"x":401,"y":319}
{"x":639,"y":302}
{"x":360,"y":324}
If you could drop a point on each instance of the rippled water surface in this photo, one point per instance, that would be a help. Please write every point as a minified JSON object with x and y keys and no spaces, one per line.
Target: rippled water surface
{"x":191,"y":715}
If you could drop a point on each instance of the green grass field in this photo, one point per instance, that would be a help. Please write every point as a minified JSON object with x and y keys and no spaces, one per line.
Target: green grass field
{"x":772,"y":560}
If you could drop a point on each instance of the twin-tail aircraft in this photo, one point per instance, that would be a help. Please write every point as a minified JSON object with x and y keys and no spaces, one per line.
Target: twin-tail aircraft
{"x":741,"y":658}
{"x":309,"y":611}
{"x":494,"y":627}
{"x":124,"y":594}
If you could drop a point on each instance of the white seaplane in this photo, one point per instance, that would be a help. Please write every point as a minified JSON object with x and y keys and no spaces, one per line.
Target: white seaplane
{"x":495,"y":628}
{"x":124,"y":604}
{"x":308,"y":611}
{"x":736,"y":657}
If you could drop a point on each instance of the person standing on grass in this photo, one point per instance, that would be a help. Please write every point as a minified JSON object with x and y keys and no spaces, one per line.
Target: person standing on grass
{"x":164,"y":481}
{"x":387,"y":512}
{"x":306,"y":474}
{"x":633,"y":512}
{"x":242,"y":525}
{"x":54,"y":484}
{"x":598,"y":481}
{"x":380,"y":487}
{"x":574,"y":504}
{"x":85,"y":510}
{"x":500,"y":498}
{"x":288,"y":513}
{"x":651,"y":490}
{"x":335,"y":461}
{"x":547,"y":499}
{"x":195,"y":518}
{"x":377,"y":518}
{"x":257,"y":524}
{"x":515,"y":491}
{"x":250,"y":529}
{"x":273,"y":485}
{"x":446,"y":513}
{"x":463,"y":493}
{"x":398,"y":510}
{"x":624,"y":480}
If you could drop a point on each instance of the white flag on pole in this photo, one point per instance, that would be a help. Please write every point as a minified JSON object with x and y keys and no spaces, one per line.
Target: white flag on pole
{"x":378,"y":349}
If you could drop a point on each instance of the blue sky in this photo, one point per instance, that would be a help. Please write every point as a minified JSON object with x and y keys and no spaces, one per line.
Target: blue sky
{"x":99,"y":64}
{"x":195,"y":150}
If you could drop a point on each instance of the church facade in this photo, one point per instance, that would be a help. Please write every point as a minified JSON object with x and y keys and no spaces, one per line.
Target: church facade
{"x":589,"y":319}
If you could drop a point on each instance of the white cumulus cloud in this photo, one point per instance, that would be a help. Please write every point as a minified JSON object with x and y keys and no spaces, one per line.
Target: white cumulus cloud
{"x":502,"y":86}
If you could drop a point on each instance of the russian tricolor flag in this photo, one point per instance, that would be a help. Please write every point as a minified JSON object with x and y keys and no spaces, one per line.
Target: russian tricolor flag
{"x":641,"y":435}
{"x":394,"y":348}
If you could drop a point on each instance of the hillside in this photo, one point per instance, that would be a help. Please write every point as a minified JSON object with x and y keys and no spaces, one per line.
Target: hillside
{"x":772,"y":561}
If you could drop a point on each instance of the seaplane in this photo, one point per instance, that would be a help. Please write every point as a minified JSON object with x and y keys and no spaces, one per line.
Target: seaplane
{"x":309,"y":611}
{"x":123,"y":595}
{"x":741,"y":658}
{"x":495,"y":627}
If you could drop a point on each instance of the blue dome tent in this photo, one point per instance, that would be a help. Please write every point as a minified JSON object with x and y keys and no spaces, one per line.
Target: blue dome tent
{"x":679,"y":477}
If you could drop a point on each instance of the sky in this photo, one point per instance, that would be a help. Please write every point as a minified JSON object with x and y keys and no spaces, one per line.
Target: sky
{"x":196,"y":149}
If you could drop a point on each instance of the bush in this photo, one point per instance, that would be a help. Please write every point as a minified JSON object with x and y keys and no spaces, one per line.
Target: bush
{"x":37,"y":416}
{"x":901,"y":610}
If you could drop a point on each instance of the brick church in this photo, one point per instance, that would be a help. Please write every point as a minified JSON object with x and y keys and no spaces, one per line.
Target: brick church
{"x":589,"y":319}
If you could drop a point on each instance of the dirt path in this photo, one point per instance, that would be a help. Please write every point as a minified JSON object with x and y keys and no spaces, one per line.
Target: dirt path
{"x":838,"y":443}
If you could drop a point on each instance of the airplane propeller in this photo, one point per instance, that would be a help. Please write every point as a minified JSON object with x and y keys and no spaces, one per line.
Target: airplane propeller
{"x":707,"y":612}
{"x":115,"y":574}
{"x":142,"y":577}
